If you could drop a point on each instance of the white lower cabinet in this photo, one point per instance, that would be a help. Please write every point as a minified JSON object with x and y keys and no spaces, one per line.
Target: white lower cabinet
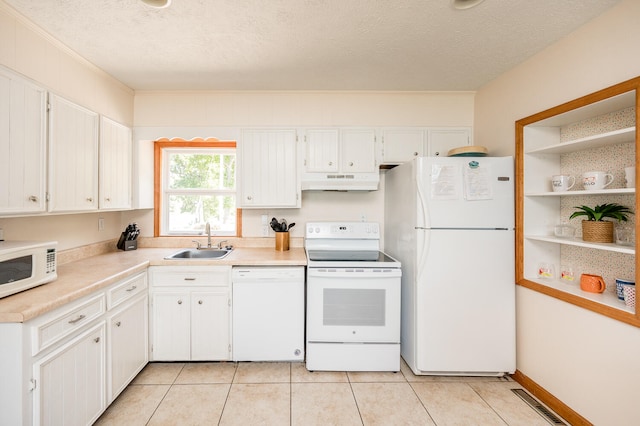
{"x":65,"y":366}
{"x":70,"y":382}
{"x":190,"y":313}
{"x":127,"y":345}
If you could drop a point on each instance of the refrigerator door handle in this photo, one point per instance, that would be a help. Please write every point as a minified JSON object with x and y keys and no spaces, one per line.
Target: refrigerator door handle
{"x":422,"y":248}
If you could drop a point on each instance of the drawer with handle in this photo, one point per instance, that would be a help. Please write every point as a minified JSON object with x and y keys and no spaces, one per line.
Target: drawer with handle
{"x":125,"y":290}
{"x":164,"y":276}
{"x":51,"y":328}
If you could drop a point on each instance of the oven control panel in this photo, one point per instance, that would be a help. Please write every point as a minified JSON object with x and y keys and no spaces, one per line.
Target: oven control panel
{"x":346,"y":230}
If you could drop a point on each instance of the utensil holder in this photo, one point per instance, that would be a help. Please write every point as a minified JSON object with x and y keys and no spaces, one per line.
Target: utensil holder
{"x":126,"y":245}
{"x":282,"y":241}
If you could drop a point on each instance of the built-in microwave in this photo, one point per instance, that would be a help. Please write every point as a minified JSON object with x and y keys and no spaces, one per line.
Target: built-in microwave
{"x":26,"y":264}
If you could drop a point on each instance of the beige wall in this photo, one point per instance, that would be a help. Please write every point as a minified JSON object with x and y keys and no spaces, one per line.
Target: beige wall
{"x":27,"y":50}
{"x":580,"y":357}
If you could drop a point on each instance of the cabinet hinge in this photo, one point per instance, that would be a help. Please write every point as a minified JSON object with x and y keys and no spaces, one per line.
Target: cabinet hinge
{"x":229,"y":347}
{"x":32,"y":385}
{"x":48,"y":106}
{"x":229,"y":302}
{"x":47,"y":197}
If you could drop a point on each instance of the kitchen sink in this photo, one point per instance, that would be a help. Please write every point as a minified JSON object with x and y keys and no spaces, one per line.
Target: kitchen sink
{"x":204,"y":253}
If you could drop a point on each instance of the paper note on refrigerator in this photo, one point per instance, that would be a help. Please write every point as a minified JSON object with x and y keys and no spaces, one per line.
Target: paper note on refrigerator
{"x":445,"y":182}
{"x":477,"y":183}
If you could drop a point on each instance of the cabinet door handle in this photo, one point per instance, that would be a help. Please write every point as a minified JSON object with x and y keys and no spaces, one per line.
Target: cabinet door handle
{"x":133,"y":287}
{"x":189,"y":279}
{"x":107,"y":199}
{"x":97,"y":339}
{"x":90,"y":199}
{"x":118,"y":324}
{"x":180,"y":302}
{"x":78,"y":318}
{"x":350,"y":163}
{"x":33,"y":198}
{"x":415,"y":154}
{"x":199,"y":302}
{"x":331,"y":163}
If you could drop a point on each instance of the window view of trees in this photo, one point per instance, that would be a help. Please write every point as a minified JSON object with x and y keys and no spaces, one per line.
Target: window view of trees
{"x":199,"y":187}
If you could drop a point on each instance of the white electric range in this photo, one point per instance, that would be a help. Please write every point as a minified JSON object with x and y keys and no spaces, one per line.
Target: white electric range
{"x":353,"y":299}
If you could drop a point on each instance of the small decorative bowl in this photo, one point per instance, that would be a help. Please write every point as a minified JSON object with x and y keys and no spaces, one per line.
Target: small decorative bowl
{"x":630,"y":295}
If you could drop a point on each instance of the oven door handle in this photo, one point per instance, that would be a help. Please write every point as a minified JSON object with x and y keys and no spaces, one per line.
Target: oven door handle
{"x":354,"y":273}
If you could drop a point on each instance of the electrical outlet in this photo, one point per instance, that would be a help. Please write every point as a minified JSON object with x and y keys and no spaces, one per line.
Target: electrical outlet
{"x":100,"y":224}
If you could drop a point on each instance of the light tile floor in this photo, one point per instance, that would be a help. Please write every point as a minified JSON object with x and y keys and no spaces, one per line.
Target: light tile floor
{"x":283,"y":393}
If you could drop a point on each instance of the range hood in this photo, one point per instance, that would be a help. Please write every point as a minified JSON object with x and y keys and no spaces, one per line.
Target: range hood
{"x":340,"y":181}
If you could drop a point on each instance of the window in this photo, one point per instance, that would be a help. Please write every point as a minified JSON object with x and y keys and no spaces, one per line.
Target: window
{"x":195,"y":185}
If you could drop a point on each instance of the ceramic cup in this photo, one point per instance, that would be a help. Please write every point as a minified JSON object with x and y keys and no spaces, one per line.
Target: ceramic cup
{"x":562,"y":182}
{"x":620,"y":283}
{"x":592,"y":283}
{"x":630,"y":176}
{"x":596,"y":180}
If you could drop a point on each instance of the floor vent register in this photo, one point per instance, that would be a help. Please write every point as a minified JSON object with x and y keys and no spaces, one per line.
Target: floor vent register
{"x":541,"y":409}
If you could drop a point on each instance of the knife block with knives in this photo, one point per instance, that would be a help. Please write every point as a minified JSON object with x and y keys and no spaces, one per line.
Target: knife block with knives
{"x":129,"y":238}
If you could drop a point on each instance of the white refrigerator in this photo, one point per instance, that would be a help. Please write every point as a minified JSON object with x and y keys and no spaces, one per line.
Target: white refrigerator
{"x":450,"y":221}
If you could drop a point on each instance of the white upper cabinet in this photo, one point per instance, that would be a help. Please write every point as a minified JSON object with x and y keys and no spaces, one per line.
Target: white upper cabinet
{"x":322,"y":150}
{"x":115,"y":165}
{"x":268,"y":169}
{"x":402,"y":145}
{"x":22,"y":145}
{"x":357,"y":151}
{"x":441,"y":140}
{"x":399,"y":145}
{"x":73,"y":157}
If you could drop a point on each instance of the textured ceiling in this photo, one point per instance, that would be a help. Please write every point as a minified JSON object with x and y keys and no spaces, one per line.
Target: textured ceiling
{"x":308,"y":44}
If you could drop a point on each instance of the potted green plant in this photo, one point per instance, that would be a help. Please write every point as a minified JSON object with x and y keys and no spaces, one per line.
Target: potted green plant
{"x":595,"y":228}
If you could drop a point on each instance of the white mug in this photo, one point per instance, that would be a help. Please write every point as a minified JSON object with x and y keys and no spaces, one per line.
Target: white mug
{"x":596,"y":180}
{"x":630,"y":176}
{"x":562,"y":182}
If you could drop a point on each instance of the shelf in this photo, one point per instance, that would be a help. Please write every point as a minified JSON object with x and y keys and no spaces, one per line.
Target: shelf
{"x":607,"y":298}
{"x":581,"y":192}
{"x":578,"y":242}
{"x":615,"y":137}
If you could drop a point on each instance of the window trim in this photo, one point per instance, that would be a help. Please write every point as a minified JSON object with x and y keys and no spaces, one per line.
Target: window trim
{"x":158,"y":149}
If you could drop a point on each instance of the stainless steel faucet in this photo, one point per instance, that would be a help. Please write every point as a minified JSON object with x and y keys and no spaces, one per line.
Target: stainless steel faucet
{"x":220,"y":243}
{"x":207,"y":229}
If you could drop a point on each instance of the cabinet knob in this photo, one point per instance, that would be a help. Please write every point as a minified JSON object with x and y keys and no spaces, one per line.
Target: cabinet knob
{"x":331,"y":163}
{"x":248,"y":197}
{"x":415,"y":154}
{"x":351,"y":163}
{"x":97,"y":339}
{"x":33,"y":198}
{"x":90,"y":199}
{"x":180,"y":302}
{"x":107,"y":199}
{"x":437,"y":153}
{"x":118,"y":324}
{"x":199,"y":302}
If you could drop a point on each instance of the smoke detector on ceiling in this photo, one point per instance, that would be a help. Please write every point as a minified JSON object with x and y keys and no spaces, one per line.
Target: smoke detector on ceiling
{"x":158,"y":4}
{"x":465,"y":4}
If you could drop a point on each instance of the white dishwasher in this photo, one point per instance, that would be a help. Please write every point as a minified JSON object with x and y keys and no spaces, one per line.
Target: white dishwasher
{"x":268,"y":313}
